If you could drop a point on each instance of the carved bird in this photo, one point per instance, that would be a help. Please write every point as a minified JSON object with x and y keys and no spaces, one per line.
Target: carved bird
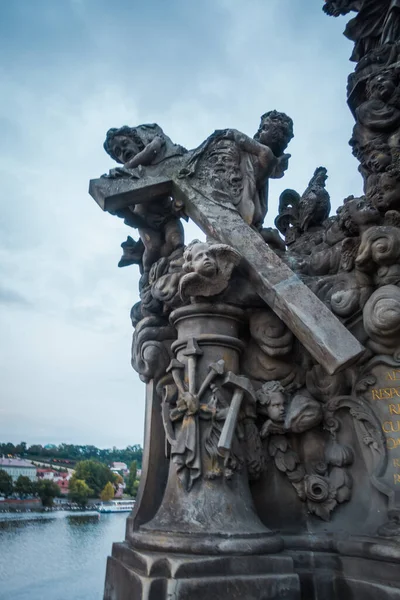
{"x":315,"y":203}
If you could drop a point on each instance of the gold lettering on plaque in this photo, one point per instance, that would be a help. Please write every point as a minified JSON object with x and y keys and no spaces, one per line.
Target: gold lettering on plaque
{"x":394,"y":375}
{"x":391,"y":427}
{"x":396,"y":462}
{"x":385,"y":393}
{"x":396,"y":478}
{"x":394,"y":409}
{"x":392,"y":443}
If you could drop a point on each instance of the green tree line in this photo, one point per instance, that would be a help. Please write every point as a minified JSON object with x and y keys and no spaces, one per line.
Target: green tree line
{"x":74,"y":453}
{"x":44,"y":489}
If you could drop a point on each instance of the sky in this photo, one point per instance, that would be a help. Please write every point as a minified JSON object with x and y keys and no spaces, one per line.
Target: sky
{"x":72,"y":69}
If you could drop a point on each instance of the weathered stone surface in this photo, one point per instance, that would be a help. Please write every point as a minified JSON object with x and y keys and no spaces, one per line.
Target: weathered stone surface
{"x":272,"y":419}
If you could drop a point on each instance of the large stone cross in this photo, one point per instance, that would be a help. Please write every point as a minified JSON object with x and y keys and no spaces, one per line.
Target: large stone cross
{"x":315,"y":326}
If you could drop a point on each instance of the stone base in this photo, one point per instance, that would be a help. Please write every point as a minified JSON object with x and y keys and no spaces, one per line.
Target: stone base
{"x":346,"y":569}
{"x":133,"y":575}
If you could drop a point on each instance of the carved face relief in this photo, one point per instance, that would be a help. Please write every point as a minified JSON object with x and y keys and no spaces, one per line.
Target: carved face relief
{"x":208,"y":269}
{"x":387,"y":192}
{"x":223,"y":163}
{"x":276,"y":409}
{"x":379,"y":159}
{"x":274,"y":134}
{"x":362,"y":211}
{"x":202,"y":262}
{"x":381,"y":88}
{"x":123,"y":148}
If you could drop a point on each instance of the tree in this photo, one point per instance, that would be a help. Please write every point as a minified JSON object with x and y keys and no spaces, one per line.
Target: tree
{"x":6,"y":483}
{"x":95,"y":474}
{"x":47,"y":491}
{"x":135,"y":488}
{"x":108,"y":492}
{"x":20,"y":448}
{"x":131,"y":478}
{"x":24,"y":486}
{"x":79,"y":491}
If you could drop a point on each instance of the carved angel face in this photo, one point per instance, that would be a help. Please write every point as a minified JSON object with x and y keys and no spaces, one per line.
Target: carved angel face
{"x":274,"y":134}
{"x":356,"y":213}
{"x":124,"y":148}
{"x":387,"y":192}
{"x":381,"y":87}
{"x":202,"y":261}
{"x":362,"y":211}
{"x":276,"y":409}
{"x":378,"y":160}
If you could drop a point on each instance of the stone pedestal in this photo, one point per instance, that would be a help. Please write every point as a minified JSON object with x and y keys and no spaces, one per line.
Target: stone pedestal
{"x":133,"y":575}
{"x":205,"y":541}
{"x":217,"y":515}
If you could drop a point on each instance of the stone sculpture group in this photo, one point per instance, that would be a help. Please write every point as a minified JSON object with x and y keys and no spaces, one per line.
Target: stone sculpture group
{"x":271,"y":356}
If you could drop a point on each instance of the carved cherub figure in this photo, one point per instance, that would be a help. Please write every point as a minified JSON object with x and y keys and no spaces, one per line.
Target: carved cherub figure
{"x":356,"y":215}
{"x":384,"y":191}
{"x":237,"y":167}
{"x":142,"y":145}
{"x":272,"y":402}
{"x":159,"y":228}
{"x":381,"y":111}
{"x":208,"y":268}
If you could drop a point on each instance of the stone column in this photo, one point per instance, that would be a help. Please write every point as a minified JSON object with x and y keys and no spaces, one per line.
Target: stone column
{"x":206,"y":541}
{"x":217,"y":514}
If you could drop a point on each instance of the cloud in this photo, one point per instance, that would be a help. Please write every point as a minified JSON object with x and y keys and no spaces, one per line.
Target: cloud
{"x":8,"y":296}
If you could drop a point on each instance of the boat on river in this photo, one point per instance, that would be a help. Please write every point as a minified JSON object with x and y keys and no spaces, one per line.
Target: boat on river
{"x":116,"y":506}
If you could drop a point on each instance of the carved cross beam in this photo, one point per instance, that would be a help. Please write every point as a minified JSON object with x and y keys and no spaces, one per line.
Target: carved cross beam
{"x":314,"y":325}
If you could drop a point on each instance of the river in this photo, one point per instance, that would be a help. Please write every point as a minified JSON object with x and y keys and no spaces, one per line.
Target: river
{"x":57,"y":555}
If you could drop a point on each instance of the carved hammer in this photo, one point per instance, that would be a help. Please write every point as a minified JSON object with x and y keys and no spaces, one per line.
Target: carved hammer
{"x":214,"y":370}
{"x":192,"y":351}
{"x":241,"y":386}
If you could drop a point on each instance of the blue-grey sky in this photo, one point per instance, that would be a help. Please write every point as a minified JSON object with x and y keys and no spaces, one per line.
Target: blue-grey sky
{"x":70,"y":70}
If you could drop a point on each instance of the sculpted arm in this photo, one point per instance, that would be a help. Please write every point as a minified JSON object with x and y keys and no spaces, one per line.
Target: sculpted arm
{"x":264,"y":154}
{"x":148,"y":154}
{"x":269,"y":164}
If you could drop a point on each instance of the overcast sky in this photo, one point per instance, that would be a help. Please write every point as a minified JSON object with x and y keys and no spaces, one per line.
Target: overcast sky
{"x":70,"y":70}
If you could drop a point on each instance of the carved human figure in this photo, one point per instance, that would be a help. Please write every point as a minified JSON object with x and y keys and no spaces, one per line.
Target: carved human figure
{"x":391,"y":26}
{"x":365,"y":29}
{"x":159,"y":228}
{"x":142,"y":145}
{"x":353,"y":218}
{"x":238,"y":167}
{"x":207,"y":269}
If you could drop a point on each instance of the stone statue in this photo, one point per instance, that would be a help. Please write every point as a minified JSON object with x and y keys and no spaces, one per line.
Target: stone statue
{"x":270,"y":364}
{"x":207,"y":268}
{"x":366,"y":29}
{"x":238,"y":167}
{"x":159,"y":228}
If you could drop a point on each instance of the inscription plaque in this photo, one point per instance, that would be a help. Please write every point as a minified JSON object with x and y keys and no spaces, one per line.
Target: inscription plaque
{"x":383,"y":397}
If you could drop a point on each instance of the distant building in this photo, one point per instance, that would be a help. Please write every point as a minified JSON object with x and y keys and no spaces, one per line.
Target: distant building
{"x":119,"y":491}
{"x":45,"y":474}
{"x":116,"y":467}
{"x":16,"y":467}
{"x":60,"y":478}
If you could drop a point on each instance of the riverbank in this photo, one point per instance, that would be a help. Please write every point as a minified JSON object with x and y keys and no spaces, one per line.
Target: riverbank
{"x":12,"y":505}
